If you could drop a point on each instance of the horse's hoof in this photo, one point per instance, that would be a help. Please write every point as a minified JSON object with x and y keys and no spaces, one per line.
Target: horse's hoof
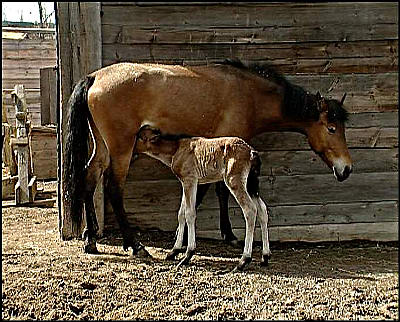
{"x":140,"y":251}
{"x":244,"y":261}
{"x":91,"y":249}
{"x":265,"y":260}
{"x":235,"y":243}
{"x":231,"y":240}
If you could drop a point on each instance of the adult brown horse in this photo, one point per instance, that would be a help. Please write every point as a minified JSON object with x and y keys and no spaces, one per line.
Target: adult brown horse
{"x":229,"y":99}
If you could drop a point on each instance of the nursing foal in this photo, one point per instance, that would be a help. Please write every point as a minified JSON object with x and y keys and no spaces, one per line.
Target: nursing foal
{"x":197,"y":160}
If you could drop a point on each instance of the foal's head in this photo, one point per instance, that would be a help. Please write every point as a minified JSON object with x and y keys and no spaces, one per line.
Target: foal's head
{"x":327,"y":136}
{"x":152,"y":141}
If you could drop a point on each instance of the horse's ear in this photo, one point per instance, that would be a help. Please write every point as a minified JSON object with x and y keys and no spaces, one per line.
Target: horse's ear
{"x":322,"y":106}
{"x":342,"y":100}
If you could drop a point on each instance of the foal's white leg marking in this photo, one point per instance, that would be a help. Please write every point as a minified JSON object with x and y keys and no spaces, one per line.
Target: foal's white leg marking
{"x":190,"y":190}
{"x":262,"y":214}
{"x":249,"y":208}
{"x":181,"y":224}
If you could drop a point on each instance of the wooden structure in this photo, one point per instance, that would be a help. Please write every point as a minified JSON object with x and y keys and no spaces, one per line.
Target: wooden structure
{"x":25,"y":52}
{"x":25,"y":189}
{"x":29,"y":57}
{"x":331,"y":47}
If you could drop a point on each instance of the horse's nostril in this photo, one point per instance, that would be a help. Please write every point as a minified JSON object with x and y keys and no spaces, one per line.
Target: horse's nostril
{"x":347,"y":171}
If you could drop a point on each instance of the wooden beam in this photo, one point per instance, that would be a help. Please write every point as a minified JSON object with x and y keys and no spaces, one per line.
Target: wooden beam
{"x":80,"y":53}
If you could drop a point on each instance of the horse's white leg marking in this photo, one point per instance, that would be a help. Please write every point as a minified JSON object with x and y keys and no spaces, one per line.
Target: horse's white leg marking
{"x":190,"y":190}
{"x":262,"y":214}
{"x":237,"y":187}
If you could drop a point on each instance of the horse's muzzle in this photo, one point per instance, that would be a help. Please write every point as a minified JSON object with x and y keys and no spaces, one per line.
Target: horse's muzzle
{"x":345,"y":173}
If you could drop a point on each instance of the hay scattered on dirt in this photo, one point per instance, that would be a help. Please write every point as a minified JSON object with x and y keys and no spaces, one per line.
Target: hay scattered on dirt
{"x":46,"y":278}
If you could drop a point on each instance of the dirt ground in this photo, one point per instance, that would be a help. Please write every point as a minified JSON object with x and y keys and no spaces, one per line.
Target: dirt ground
{"x":45,"y":278}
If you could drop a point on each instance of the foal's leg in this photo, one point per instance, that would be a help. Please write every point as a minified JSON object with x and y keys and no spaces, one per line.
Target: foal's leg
{"x":237,"y":186}
{"x":189,"y":194}
{"x":180,"y":232}
{"x":224,"y":222}
{"x":201,"y":192}
{"x":262,"y":214}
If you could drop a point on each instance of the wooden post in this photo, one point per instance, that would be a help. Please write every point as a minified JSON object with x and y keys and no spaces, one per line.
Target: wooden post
{"x":80,"y":52}
{"x":23,"y":188}
{"x":48,"y":96}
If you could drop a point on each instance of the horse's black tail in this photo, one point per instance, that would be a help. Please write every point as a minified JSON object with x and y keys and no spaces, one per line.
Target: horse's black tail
{"x":253,"y":185}
{"x":76,"y":152}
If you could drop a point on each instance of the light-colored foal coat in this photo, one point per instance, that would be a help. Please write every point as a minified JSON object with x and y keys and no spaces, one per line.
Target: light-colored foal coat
{"x":199,"y":160}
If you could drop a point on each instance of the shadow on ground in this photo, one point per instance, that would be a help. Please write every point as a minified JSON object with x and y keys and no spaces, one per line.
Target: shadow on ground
{"x":342,"y":260}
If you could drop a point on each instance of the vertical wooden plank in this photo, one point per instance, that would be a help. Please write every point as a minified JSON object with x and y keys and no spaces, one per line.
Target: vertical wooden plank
{"x":44,"y":96}
{"x":53,"y":95}
{"x":79,"y":54}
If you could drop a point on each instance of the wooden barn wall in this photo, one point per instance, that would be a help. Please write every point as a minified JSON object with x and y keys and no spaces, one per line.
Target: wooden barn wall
{"x":330,"y":47}
{"x":22,"y":60}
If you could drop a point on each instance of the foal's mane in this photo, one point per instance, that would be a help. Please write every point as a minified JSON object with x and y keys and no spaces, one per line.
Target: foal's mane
{"x":298,"y":103}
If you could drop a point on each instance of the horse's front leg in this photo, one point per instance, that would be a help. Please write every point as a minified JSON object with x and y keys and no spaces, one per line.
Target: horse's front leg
{"x":224,"y":221}
{"x":189,"y":195}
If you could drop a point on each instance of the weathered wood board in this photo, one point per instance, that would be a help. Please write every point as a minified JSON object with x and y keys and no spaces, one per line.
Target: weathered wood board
{"x":43,"y":149}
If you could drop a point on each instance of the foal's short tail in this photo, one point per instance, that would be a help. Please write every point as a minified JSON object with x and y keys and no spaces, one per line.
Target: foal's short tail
{"x":252,"y":180}
{"x":76,"y":151}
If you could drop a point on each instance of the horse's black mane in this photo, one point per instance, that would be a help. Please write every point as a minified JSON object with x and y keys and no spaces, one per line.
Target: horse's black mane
{"x":298,"y":103}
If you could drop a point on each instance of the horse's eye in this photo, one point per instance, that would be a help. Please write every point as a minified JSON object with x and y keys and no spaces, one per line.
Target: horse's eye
{"x":331,"y":129}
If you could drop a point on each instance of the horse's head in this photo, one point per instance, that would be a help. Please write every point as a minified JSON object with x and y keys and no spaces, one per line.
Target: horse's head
{"x":327,"y":136}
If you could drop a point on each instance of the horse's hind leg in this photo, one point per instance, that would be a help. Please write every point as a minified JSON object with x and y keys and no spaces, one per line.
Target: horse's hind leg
{"x":224,"y":222}
{"x":119,"y":165}
{"x":98,"y":162}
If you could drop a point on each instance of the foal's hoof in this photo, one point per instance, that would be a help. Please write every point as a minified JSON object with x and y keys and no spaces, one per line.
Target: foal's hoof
{"x":243,"y":263}
{"x":175,"y":251}
{"x":265,"y":260}
{"x":185,"y":261}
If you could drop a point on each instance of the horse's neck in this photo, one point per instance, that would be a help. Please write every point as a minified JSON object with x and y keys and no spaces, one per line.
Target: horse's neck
{"x":281,"y":124}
